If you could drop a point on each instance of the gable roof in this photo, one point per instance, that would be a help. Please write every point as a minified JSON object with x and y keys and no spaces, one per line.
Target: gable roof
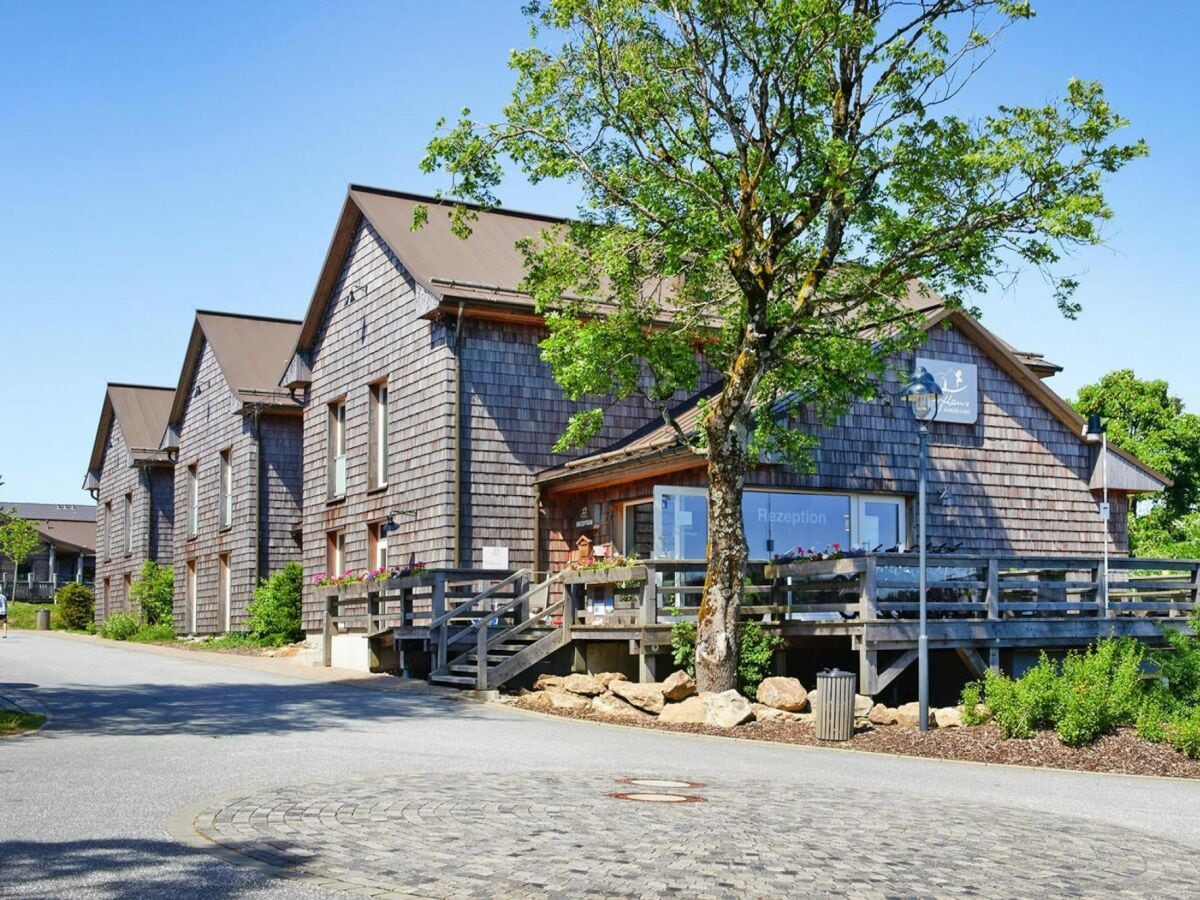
{"x":251,"y":351}
{"x":660,"y":441}
{"x":67,"y":525}
{"x":141,"y":411}
{"x":486,"y":268}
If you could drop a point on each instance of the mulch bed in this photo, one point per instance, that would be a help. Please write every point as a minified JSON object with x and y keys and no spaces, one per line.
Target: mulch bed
{"x":1122,"y":753}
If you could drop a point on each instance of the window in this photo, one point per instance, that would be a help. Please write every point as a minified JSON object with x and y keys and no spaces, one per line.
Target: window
{"x":336,"y":463}
{"x":191,"y":595}
{"x":680,"y":523}
{"x":223,"y":590}
{"x":105,"y":598}
{"x":128,"y":524}
{"x":378,"y":454}
{"x":129,"y":593}
{"x":636,"y":529}
{"x":193,"y":499}
{"x":226,"y":492}
{"x":335,"y":553}
{"x":107,"y":535}
{"x":377,"y":549}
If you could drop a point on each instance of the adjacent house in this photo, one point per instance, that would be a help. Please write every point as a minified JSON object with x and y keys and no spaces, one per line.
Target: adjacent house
{"x":428,"y":408}
{"x":235,"y":437}
{"x":133,"y":482}
{"x":67,"y":553}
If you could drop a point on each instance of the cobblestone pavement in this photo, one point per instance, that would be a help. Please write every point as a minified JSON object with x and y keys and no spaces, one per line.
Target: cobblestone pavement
{"x":555,"y":834}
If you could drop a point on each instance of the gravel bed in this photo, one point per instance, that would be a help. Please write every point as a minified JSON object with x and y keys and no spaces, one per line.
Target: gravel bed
{"x":1122,"y":752}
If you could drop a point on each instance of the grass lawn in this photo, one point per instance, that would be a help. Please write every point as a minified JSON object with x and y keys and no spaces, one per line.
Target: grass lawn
{"x":12,"y":722}
{"x":24,"y":615}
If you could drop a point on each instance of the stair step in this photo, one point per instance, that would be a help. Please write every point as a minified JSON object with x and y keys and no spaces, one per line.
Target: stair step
{"x":458,"y":680}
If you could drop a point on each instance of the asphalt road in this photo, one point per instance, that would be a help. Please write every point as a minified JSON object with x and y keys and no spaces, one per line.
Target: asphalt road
{"x":357,"y":783}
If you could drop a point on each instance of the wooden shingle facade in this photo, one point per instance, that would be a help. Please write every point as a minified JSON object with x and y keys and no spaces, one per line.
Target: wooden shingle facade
{"x":132,"y":481}
{"x":236,"y":442}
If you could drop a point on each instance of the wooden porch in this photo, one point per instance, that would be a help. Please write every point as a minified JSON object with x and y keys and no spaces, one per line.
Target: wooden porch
{"x":482,"y":628}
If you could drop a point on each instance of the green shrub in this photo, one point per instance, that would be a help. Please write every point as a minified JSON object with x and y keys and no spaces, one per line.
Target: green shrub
{"x":76,"y":607}
{"x":756,"y":652}
{"x":1180,"y":662}
{"x":1151,"y":721}
{"x":1101,"y":688}
{"x":274,"y":613}
{"x":154,"y":592}
{"x":119,"y":627}
{"x":152,"y":634}
{"x":1000,"y":694}
{"x":972,"y":697}
{"x":1183,"y":732}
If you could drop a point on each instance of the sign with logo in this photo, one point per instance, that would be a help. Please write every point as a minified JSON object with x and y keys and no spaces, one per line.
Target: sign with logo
{"x":959,"y":382}
{"x":587,"y":516}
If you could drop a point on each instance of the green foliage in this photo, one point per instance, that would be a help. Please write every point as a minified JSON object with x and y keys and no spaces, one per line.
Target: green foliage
{"x":274,"y":613}
{"x":237,"y":639}
{"x":154,"y":592}
{"x":1151,"y":721}
{"x":18,"y":540}
{"x":14,"y":721}
{"x":972,"y":697}
{"x":76,"y":607}
{"x":756,"y":652}
{"x":1180,"y":662}
{"x":154,"y":634}
{"x":1100,"y":689}
{"x":119,"y":627}
{"x":24,"y":615}
{"x":1183,"y":732}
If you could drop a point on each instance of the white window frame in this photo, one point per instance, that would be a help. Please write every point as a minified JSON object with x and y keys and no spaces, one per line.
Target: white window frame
{"x":378,"y":416}
{"x":225,"y":493}
{"x":621,"y":534}
{"x":659,"y":491}
{"x":107,"y":531}
{"x":193,"y":499}
{"x":128,"y":513}
{"x":378,"y":540}
{"x":335,"y":551}
{"x":336,"y":472}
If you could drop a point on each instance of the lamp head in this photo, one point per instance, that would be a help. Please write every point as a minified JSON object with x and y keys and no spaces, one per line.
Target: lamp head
{"x":1094,"y":430}
{"x":922,"y":393}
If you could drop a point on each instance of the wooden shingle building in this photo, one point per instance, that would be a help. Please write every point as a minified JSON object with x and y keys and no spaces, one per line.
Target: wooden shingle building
{"x":67,"y":552}
{"x":235,"y":437}
{"x":133,"y":483}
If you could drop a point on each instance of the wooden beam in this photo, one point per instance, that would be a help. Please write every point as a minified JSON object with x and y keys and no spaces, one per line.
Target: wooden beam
{"x":973,"y":661}
{"x":892,"y":672}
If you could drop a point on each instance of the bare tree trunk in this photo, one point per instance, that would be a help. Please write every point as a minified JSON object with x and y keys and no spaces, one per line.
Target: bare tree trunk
{"x":716,"y":636}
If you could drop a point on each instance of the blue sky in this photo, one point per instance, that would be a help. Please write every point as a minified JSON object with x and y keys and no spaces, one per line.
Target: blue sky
{"x":156,"y":158}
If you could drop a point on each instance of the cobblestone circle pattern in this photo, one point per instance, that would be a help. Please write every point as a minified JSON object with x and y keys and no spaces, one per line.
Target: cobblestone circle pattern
{"x":562,"y":835}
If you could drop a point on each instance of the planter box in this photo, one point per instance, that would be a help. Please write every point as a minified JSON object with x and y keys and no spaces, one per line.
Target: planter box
{"x":846,"y":566}
{"x":606,"y":576}
{"x":410,"y":581}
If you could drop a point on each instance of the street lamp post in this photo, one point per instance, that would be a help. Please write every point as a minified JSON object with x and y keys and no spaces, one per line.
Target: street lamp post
{"x":922,"y":394}
{"x":1095,"y":431}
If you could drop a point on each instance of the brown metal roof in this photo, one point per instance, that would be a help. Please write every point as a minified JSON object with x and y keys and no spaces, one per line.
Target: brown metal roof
{"x":141,"y":411}
{"x":251,"y":351}
{"x":66,"y":525}
{"x":68,"y":535}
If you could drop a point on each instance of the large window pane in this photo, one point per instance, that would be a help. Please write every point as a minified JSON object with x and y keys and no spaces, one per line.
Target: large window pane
{"x":682,"y":525}
{"x":780,"y":523}
{"x":880,"y":529}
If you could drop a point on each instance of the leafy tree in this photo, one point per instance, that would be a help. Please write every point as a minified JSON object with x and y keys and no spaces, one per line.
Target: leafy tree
{"x":767,"y":180}
{"x":154,"y":591}
{"x":19,"y":540}
{"x":1144,"y":418}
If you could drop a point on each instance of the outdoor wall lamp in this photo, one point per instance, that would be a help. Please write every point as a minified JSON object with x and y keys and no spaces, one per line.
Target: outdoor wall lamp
{"x":922,"y":393}
{"x":391,"y":524}
{"x":1096,"y":432}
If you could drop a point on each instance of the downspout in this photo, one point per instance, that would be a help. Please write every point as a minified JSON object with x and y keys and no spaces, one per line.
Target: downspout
{"x":458,"y":461}
{"x":537,"y":528}
{"x":258,"y":465}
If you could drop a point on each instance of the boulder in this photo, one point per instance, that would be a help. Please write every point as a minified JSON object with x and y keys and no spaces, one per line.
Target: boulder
{"x":545,"y":681}
{"x":862,"y":706}
{"x":727,"y":709}
{"x":686,"y":712}
{"x":607,"y":678}
{"x":584,"y":685}
{"x":787,"y":694}
{"x":611,"y":705}
{"x":881,"y":715}
{"x":814,"y":697}
{"x":644,"y":696}
{"x":561,"y":699}
{"x":678,"y":686}
{"x":764,"y":713}
{"x":946,"y":717}
{"x":909,"y":716}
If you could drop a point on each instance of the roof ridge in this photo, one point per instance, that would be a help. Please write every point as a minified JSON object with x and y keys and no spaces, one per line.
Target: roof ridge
{"x":237,"y":315}
{"x":454,"y":201}
{"x":141,"y":387}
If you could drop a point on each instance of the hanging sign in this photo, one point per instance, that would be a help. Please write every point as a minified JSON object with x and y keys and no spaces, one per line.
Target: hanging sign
{"x":586,"y":518}
{"x":959,"y":382}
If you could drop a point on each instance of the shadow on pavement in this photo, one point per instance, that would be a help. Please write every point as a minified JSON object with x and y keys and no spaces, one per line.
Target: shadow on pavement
{"x":231,"y":709}
{"x":121,"y":868}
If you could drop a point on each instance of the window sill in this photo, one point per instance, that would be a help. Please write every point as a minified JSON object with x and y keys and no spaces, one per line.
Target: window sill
{"x":192,"y":537}
{"x":225,"y":528}
{"x":333,"y":501}
{"x":377,"y":489}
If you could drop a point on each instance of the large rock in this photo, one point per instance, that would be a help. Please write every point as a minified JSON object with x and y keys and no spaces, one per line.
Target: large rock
{"x":585,"y":685}
{"x":862,"y":706}
{"x":614,"y":706}
{"x":727,"y":709}
{"x":556,"y":698}
{"x":946,"y":717}
{"x":547,"y":681}
{"x":607,"y":678}
{"x":686,"y":712}
{"x":909,"y":716}
{"x":644,"y":696}
{"x":787,"y":694}
{"x":881,"y":715}
{"x":678,"y":686}
{"x":764,"y":713}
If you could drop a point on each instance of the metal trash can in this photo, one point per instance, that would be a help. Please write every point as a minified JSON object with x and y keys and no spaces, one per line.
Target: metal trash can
{"x":43,"y":620}
{"x":834,"y":719}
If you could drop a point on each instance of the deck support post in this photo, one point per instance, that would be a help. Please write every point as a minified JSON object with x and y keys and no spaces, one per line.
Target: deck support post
{"x":438,"y":607}
{"x":994,"y":658}
{"x":481,"y":662}
{"x":327,"y":633}
{"x":868,"y":669}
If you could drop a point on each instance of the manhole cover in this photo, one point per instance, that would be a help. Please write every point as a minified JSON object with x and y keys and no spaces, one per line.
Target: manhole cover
{"x":660,"y":783}
{"x":650,"y":797}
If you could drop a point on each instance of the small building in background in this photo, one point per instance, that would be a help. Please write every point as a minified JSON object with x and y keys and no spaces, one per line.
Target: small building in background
{"x":133,"y":482}
{"x":67,"y":553}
